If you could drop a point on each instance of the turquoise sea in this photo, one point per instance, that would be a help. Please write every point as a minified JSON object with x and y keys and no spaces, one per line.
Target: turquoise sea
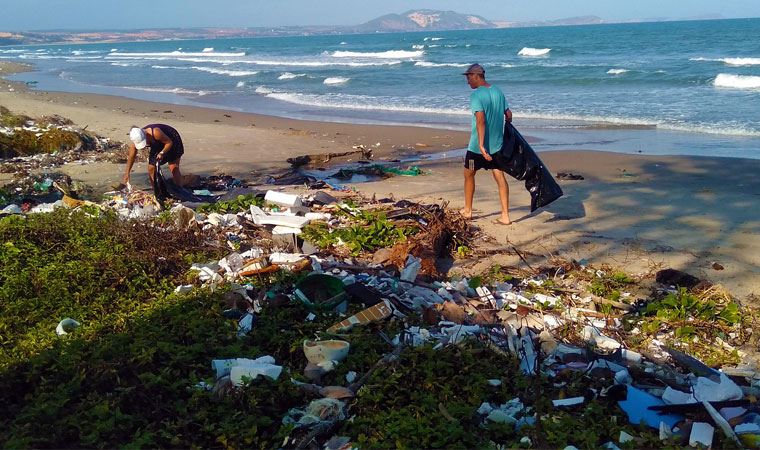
{"x":656,"y":88}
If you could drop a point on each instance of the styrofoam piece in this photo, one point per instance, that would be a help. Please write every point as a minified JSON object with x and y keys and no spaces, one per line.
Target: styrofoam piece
{"x":282,"y":198}
{"x":706,"y":389}
{"x":239,"y":373}
{"x":572,"y":401}
{"x":701,"y":434}
{"x":675,"y":397}
{"x":318,"y":216}
{"x":279,"y":229}
{"x":281,"y":258}
{"x":721,"y":422}
{"x":262,"y":218}
{"x":593,"y":336}
{"x":66,"y":326}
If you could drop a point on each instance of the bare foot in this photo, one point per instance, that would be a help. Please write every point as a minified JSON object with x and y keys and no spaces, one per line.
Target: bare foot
{"x":466,"y":213}
{"x":501,"y":222}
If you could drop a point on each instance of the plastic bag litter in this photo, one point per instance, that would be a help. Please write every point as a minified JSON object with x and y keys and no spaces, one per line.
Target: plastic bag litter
{"x":66,"y":326}
{"x":322,"y":410}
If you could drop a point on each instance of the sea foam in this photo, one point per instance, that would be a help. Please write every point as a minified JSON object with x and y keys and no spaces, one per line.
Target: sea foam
{"x":529,"y":51}
{"x":728,"y":80}
{"x":617,"y":71}
{"x":390,"y":54}
{"x":336,"y":80}
{"x":431,"y":64}
{"x":175,"y":53}
{"x":231,"y":73}
{"x":731,"y":61}
{"x":290,"y":76}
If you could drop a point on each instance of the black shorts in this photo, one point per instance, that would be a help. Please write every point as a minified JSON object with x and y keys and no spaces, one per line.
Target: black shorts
{"x":169,"y":157}
{"x":476,"y":161}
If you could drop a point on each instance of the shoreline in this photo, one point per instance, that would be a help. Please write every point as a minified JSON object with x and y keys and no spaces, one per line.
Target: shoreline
{"x":633,"y":211}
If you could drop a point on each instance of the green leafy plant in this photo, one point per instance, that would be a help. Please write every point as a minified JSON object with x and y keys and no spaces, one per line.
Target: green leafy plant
{"x":367,"y":231}
{"x":241,"y":203}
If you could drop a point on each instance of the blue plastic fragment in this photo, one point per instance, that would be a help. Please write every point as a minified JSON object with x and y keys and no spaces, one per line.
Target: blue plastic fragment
{"x":637,"y":407}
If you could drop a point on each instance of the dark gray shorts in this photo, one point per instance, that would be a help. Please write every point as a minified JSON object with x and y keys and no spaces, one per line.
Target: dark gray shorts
{"x":476,"y":161}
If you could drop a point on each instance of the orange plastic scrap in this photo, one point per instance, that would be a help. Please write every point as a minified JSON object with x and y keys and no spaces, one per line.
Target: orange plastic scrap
{"x":374,"y":313}
{"x":72,"y":203}
{"x":260,"y":271}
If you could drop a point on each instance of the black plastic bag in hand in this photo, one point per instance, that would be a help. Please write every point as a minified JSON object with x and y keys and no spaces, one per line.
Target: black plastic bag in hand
{"x":518,"y":159}
{"x":159,"y":186}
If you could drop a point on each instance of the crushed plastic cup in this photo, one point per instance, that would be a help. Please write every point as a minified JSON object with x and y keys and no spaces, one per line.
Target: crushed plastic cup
{"x":66,"y":326}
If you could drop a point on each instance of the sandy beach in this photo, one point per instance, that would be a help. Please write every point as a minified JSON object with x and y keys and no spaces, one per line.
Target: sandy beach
{"x":639,"y":213}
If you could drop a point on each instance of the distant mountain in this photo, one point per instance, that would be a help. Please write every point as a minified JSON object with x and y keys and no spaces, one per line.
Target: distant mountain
{"x":424,"y":19}
{"x":413,"y":20}
{"x":580,"y":20}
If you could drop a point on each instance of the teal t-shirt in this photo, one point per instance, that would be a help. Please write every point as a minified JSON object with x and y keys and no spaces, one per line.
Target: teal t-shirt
{"x":491,"y":101}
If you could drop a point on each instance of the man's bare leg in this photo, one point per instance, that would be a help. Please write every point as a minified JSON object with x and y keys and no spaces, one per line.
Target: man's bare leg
{"x":151,"y":172}
{"x":176,"y":174}
{"x":503,"y":186}
{"x":469,"y":193}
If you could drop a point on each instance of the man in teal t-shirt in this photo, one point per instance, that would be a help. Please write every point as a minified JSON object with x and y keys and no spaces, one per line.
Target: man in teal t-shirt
{"x":489,"y":111}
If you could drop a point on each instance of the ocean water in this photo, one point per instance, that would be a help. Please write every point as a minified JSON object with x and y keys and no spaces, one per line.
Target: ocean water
{"x":657,"y":88}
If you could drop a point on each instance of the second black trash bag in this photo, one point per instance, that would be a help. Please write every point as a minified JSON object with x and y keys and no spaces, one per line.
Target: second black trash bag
{"x":518,"y":159}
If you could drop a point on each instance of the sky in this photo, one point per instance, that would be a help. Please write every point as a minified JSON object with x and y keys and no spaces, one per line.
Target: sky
{"x":24,"y":15}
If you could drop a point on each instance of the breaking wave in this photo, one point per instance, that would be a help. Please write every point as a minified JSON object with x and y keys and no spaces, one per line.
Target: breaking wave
{"x":336,"y":80}
{"x":529,"y":51}
{"x":232,"y":73}
{"x":355,"y":102}
{"x":728,"y":80}
{"x":617,"y":71}
{"x":290,"y":76}
{"x":182,"y":91}
{"x":731,"y":61}
{"x":390,"y":54}
{"x":175,"y":53}
{"x":431,"y":64}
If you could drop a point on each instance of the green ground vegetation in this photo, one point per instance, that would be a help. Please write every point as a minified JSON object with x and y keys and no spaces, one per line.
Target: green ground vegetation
{"x":128,"y":376}
{"x":366,"y":231}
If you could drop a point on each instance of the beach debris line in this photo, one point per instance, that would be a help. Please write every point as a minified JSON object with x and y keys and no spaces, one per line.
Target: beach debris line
{"x":358,"y":282}
{"x":50,"y":141}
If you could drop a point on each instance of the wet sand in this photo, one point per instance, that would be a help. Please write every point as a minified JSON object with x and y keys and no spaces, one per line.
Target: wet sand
{"x":639,"y":213}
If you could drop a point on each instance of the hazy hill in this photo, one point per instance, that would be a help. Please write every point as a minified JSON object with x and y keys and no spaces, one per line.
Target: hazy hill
{"x":424,"y":19}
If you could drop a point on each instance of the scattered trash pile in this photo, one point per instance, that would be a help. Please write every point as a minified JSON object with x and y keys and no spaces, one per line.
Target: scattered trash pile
{"x":372,"y":265}
{"x":658,"y":386}
{"x":30,"y":144}
{"x":622,"y":345}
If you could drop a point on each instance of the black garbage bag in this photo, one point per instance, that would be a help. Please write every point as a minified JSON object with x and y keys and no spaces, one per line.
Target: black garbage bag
{"x":518,"y":159}
{"x":159,"y":186}
{"x":164,"y":189}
